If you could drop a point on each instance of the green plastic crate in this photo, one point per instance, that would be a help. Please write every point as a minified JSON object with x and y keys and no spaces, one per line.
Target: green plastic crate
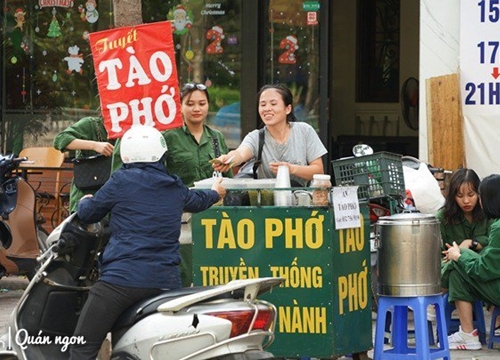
{"x":377,"y":175}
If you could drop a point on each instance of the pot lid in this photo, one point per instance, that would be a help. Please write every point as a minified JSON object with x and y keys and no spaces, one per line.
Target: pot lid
{"x":408,"y":217}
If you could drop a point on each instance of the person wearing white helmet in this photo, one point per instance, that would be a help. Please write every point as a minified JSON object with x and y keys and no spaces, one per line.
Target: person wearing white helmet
{"x":142,"y":144}
{"x":142,"y":256}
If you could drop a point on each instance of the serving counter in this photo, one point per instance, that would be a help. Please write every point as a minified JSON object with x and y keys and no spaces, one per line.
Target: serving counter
{"x":324,"y":306}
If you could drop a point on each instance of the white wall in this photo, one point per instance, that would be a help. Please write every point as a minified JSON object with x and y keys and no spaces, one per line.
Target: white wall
{"x":439,"y":51}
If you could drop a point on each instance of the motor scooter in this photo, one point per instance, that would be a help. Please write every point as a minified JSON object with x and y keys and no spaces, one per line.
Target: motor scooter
{"x":220,"y":322}
{"x":20,"y":239}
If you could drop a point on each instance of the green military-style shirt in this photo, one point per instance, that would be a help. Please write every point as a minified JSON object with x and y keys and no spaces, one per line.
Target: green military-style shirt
{"x":88,"y":128}
{"x":185,"y":157}
{"x":485,"y":267}
{"x":188,"y":159}
{"x":464,"y":230}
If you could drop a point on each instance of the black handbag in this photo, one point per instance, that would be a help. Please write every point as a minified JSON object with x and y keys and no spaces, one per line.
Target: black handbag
{"x":249,"y":169}
{"x":90,"y":173}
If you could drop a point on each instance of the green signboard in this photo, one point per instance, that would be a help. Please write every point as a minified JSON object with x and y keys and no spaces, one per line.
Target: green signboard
{"x":310,"y":6}
{"x":324,"y":305}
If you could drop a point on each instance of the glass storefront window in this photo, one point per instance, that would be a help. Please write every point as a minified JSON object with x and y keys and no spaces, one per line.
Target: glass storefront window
{"x":48,"y":77}
{"x":292,"y":53}
{"x":207,"y":35}
{"x":47,"y":71}
{"x":48,"y":81}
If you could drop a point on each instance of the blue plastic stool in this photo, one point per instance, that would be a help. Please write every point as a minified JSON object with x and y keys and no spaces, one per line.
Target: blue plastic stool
{"x":493,"y":338}
{"x":388,"y":321}
{"x":478,"y":316}
{"x":400,"y":349}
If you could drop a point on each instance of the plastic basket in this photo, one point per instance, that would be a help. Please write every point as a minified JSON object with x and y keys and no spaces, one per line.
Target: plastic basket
{"x":377,"y":175}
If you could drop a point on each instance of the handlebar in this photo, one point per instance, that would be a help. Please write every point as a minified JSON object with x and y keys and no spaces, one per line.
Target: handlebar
{"x":65,"y":245}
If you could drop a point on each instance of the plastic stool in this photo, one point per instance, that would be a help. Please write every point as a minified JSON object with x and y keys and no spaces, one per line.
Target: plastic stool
{"x":400,"y":350}
{"x":388,"y":321}
{"x":478,"y":316}
{"x":493,"y":338}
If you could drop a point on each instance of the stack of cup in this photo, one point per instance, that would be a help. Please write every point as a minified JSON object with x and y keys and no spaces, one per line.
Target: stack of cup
{"x":283,"y":197}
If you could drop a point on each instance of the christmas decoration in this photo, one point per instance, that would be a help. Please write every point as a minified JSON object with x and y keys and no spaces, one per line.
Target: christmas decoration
{"x":216,"y":33}
{"x":290,"y":44}
{"x":181,"y":19}
{"x":90,"y":12}
{"x":54,"y":28}
{"x":19,"y":15}
{"x":74,"y":60}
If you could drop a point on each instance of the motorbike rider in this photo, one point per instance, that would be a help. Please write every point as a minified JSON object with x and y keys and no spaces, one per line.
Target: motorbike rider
{"x":142,"y":256}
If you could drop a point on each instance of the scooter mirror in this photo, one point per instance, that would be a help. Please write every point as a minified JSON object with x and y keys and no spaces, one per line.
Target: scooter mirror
{"x":362,"y":150}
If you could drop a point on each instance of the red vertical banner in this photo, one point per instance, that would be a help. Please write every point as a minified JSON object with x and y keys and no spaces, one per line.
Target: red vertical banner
{"x":137,"y":77}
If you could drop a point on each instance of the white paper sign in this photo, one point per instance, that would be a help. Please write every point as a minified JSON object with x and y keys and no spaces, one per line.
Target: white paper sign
{"x":346,"y":207}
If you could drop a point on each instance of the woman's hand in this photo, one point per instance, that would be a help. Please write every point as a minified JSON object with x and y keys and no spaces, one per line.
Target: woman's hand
{"x":453,"y":252}
{"x":104,"y":148}
{"x":232,"y":158}
{"x":273,"y":166}
{"x":223,"y":163}
{"x":221,"y":190}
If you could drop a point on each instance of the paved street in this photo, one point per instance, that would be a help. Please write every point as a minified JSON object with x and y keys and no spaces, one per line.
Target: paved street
{"x":11,"y":290}
{"x":8,"y":300}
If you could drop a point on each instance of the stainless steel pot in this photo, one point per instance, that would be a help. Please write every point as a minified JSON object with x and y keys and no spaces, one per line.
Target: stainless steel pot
{"x":409,"y":255}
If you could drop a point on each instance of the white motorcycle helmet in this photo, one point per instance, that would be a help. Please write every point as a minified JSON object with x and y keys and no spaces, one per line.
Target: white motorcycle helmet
{"x":142,"y":143}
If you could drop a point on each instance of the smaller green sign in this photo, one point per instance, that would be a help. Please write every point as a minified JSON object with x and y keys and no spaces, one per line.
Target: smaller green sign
{"x":310,"y":6}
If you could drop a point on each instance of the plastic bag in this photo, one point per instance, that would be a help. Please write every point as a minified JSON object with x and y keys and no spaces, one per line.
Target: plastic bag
{"x":424,"y":189}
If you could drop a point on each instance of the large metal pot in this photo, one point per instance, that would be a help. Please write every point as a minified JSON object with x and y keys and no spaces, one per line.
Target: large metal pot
{"x":409,"y":255}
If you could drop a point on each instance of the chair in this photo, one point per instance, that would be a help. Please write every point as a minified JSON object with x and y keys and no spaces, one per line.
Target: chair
{"x":399,"y":306}
{"x":493,"y":338}
{"x":453,"y":324}
{"x":41,"y":159}
{"x":62,"y":210}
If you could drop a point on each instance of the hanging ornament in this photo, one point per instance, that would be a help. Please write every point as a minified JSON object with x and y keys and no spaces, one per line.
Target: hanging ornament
{"x":13,"y":60}
{"x":110,"y":14}
{"x":23,"y":91}
{"x":54,"y":77}
{"x":189,"y":53}
{"x":37,"y":28}
{"x":54,"y":28}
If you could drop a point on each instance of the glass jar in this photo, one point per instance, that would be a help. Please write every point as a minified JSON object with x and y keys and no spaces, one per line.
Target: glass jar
{"x":321,"y":184}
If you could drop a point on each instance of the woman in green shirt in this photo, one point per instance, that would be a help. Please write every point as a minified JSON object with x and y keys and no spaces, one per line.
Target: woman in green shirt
{"x":462,"y":219}
{"x":88,"y":137}
{"x":191,"y":146}
{"x":476,"y":275}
